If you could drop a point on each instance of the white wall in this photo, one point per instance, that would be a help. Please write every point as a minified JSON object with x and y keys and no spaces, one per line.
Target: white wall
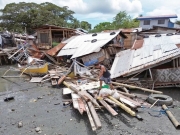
{"x":176,"y":26}
{"x":153,"y":23}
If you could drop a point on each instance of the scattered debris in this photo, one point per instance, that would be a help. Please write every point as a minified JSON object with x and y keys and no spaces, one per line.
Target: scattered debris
{"x":20,"y":124}
{"x":38,"y":130}
{"x":7,"y":99}
{"x":70,"y":64}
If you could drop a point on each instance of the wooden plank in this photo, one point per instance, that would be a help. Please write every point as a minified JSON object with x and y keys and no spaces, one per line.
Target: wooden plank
{"x":127,"y":102}
{"x":81,"y":106}
{"x":93,"y":126}
{"x":108,"y":107}
{"x":94,"y":115}
{"x":129,"y":99}
{"x":93,"y":100}
{"x":66,"y":91}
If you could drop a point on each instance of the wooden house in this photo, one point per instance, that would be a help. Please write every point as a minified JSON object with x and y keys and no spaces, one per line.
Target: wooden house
{"x":49,"y":36}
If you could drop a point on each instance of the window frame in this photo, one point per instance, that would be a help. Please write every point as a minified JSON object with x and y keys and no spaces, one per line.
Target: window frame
{"x":159,"y":21}
{"x":147,"y":22}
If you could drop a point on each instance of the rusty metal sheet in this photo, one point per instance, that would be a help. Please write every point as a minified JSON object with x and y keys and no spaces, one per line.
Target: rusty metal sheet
{"x":55,"y":49}
{"x":138,"y":44}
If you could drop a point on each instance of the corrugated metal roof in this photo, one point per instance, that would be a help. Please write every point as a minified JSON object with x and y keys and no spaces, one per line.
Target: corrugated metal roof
{"x":82,"y":44}
{"x":153,"y":51}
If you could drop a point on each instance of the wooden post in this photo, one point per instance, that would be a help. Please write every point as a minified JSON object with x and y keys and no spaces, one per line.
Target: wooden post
{"x":50,"y":36}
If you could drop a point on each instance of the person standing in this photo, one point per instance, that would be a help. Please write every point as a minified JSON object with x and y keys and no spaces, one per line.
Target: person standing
{"x":104,"y":75}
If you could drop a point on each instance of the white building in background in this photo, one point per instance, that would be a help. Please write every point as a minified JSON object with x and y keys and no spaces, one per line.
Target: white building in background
{"x":147,"y":22}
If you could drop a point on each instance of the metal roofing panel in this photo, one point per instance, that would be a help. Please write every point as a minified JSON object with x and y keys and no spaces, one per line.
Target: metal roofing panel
{"x":153,"y":51}
{"x":82,"y":45}
{"x":69,"y":39}
{"x":136,"y":61}
{"x":121,"y":65}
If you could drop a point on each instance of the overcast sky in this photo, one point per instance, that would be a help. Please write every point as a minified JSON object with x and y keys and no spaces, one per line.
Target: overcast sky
{"x":96,"y":11}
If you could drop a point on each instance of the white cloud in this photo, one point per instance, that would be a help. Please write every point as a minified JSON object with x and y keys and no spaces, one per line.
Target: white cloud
{"x":161,"y":11}
{"x":162,"y":7}
{"x":75,"y":5}
{"x":127,"y":5}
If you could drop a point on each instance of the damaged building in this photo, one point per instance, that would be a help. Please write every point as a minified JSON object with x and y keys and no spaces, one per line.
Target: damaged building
{"x":153,"y":60}
{"x":93,"y":48}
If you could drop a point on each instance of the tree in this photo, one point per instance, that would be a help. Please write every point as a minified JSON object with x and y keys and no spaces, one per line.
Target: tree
{"x":17,"y":17}
{"x":85,"y":25}
{"x":103,"y":26}
{"x":123,"y":20}
{"x":177,"y":22}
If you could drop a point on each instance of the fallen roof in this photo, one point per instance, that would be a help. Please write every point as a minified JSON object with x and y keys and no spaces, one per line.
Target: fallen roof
{"x":86,"y":44}
{"x":154,"y":51}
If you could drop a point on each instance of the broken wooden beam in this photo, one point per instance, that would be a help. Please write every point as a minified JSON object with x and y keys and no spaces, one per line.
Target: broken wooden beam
{"x":94,"y":115}
{"x":87,"y":95}
{"x":131,"y":100}
{"x":108,"y":107}
{"x":93,"y":126}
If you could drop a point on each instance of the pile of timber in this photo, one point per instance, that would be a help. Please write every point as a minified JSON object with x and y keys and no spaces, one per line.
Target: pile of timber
{"x":85,"y":99}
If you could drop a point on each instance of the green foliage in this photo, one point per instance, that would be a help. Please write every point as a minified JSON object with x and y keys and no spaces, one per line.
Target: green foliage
{"x":121,"y":20}
{"x":85,"y":25}
{"x":22,"y":16}
{"x":177,"y":22}
{"x":54,"y":44}
{"x":17,"y":17}
{"x":103,"y":26}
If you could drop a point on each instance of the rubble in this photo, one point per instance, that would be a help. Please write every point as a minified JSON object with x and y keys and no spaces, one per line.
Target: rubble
{"x":79,"y":78}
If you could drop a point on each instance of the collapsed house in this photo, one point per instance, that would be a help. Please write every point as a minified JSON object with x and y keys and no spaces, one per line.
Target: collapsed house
{"x":153,"y":59}
{"x":93,"y":48}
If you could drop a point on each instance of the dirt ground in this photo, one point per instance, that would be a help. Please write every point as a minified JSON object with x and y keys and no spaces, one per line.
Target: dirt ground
{"x":41,"y":106}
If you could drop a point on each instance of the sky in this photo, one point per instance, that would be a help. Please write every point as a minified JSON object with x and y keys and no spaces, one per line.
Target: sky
{"x":97,"y":11}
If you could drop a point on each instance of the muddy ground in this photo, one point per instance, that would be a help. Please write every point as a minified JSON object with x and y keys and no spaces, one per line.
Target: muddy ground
{"x":41,"y":106}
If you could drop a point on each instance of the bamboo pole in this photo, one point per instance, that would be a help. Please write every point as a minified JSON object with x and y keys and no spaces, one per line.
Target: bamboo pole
{"x":130,"y":86}
{"x":171,"y":117}
{"x":127,"y":109}
{"x":136,"y":87}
